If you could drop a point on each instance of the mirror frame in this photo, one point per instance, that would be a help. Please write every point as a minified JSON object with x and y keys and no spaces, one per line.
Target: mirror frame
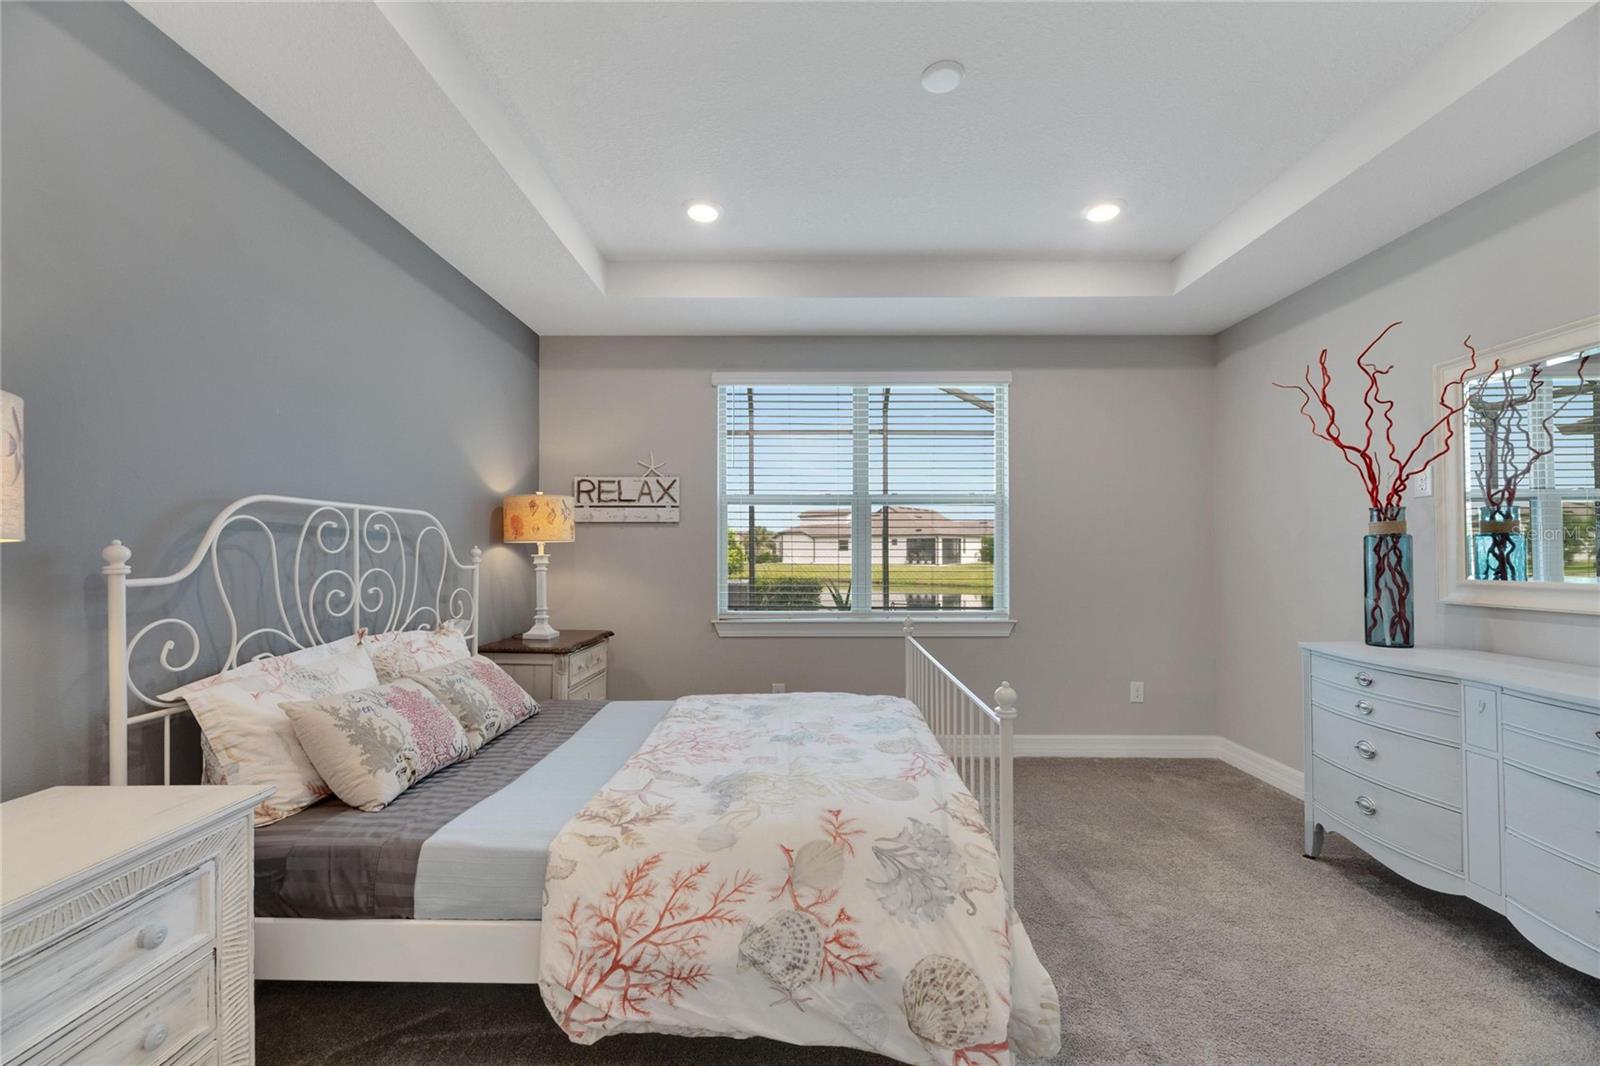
{"x":1450,"y":508}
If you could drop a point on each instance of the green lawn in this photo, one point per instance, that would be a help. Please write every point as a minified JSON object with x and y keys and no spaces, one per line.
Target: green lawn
{"x":974,"y":578}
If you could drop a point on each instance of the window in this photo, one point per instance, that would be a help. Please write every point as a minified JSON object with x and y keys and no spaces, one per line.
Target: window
{"x":855,"y":501}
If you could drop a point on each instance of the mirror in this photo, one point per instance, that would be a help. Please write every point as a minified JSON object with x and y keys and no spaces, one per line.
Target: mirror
{"x":1520,"y":509}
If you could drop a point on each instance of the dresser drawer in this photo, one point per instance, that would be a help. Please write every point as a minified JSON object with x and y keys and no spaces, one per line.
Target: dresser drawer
{"x":1562,"y":893}
{"x":1401,"y":821}
{"x":1578,"y":765}
{"x":1427,"y":768}
{"x":584,"y":664}
{"x":1565,"y":818}
{"x":48,"y":987}
{"x":1480,"y":711}
{"x":1563,"y":723}
{"x":1445,"y":725}
{"x":154,"y":1031}
{"x":592,"y":689}
{"x":1426,"y":690}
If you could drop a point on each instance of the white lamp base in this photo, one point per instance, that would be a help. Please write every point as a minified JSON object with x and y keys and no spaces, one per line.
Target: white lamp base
{"x":542,"y":629}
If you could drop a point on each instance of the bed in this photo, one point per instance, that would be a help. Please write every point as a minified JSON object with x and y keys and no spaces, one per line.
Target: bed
{"x":486,"y":871}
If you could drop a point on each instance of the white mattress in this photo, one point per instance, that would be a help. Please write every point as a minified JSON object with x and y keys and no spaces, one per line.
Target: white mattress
{"x":489,"y":862}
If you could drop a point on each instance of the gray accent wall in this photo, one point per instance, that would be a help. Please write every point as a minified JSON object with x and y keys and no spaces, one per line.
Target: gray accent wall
{"x":1521,"y":258}
{"x":195,"y":309}
{"x":1111,"y":526}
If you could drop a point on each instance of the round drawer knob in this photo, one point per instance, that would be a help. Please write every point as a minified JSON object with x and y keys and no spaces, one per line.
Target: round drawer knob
{"x":1364,"y":706}
{"x":1366,"y":806}
{"x":154,"y":1037}
{"x":1364,"y":679}
{"x":153,"y":935}
{"x":1365,"y":749}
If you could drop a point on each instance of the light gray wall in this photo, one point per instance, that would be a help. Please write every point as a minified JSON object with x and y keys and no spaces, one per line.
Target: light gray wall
{"x":1290,"y":516}
{"x":1111,"y":452}
{"x":195,"y":309}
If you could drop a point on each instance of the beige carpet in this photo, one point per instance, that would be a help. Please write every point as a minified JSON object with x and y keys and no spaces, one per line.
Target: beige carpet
{"x":1170,"y":902}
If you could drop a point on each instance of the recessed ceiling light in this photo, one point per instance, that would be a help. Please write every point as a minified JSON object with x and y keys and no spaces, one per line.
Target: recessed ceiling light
{"x":1103,"y":212}
{"x":943,"y":76}
{"x":702,"y":210}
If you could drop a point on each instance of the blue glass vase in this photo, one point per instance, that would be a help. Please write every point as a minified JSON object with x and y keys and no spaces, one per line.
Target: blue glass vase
{"x":1499,"y":548}
{"x":1386,"y":559}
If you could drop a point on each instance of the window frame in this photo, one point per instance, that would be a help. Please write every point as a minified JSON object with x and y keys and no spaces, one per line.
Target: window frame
{"x":1450,"y":495}
{"x":865,"y":621}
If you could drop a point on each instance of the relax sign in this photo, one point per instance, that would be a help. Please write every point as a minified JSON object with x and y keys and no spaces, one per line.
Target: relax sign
{"x":625,"y":499}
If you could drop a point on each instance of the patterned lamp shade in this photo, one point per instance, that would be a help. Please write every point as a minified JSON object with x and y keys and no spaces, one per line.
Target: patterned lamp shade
{"x":538,"y":519}
{"x":13,"y":483}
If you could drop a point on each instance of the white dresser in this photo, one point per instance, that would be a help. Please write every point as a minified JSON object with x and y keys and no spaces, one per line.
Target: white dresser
{"x":1467,"y":772}
{"x":127,"y":926}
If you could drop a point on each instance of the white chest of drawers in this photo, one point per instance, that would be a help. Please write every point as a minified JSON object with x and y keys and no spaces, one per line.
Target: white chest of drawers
{"x":126,"y":929}
{"x":1467,"y":772}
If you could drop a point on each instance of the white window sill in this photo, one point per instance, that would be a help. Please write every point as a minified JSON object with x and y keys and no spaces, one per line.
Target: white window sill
{"x":748,"y":626}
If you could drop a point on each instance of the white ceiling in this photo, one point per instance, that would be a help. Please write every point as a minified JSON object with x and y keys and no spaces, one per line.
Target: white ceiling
{"x":547,"y":149}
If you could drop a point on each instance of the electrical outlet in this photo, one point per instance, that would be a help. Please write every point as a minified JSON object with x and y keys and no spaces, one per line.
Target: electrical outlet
{"x":779,"y":686}
{"x":1422,"y":484}
{"x":1135,"y":691}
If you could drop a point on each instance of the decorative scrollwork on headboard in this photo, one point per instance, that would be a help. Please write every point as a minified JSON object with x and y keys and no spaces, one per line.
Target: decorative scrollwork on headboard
{"x":349,"y":566}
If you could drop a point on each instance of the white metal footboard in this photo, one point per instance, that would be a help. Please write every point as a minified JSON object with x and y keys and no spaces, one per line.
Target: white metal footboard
{"x":976,"y":737}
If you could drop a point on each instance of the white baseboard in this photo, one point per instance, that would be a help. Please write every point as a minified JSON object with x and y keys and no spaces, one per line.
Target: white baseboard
{"x":1161,"y":746}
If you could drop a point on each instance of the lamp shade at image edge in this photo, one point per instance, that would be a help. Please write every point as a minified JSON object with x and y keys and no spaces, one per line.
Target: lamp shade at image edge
{"x":538,"y":519}
{"x":13,"y":473}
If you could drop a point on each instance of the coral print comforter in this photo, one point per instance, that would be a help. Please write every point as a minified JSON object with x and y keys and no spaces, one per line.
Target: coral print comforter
{"x":806,"y":867}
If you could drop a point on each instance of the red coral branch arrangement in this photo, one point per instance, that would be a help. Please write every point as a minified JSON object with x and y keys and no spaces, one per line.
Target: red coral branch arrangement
{"x":1385,"y":489}
{"x":1364,"y":457}
{"x":630,"y":949}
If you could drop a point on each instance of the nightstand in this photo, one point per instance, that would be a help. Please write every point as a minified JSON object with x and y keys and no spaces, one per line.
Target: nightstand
{"x":571,"y":667}
{"x":128,"y":926}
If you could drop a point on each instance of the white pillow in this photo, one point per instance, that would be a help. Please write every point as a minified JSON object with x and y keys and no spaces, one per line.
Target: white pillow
{"x":240,"y":711}
{"x":403,"y":652}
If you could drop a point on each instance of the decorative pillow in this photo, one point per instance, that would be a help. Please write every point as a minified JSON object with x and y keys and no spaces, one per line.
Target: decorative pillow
{"x":249,"y":740}
{"x":373,"y":744}
{"x":481,"y":695}
{"x":403,"y":652}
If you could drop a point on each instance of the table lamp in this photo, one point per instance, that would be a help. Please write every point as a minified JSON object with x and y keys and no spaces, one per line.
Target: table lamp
{"x":539,"y":520}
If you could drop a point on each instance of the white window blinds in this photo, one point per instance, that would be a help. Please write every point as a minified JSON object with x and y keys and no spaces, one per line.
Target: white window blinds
{"x":858,"y":498}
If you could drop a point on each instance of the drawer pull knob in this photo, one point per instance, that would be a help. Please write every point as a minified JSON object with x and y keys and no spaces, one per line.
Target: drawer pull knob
{"x":1364,"y":679}
{"x":154,"y":1037}
{"x":153,"y":935}
{"x":1364,"y":706}
{"x":1365,"y":749}
{"x":1366,"y":806}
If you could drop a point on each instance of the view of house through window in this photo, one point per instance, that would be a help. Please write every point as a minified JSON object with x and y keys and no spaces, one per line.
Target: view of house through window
{"x":852,"y":499}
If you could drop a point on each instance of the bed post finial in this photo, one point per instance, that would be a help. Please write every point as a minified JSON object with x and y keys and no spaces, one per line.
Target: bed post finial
{"x":116,"y":570}
{"x":906,"y":627}
{"x":1005,"y":699}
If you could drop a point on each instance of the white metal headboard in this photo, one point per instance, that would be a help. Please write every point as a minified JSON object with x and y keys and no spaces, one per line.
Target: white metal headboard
{"x":349,"y":561}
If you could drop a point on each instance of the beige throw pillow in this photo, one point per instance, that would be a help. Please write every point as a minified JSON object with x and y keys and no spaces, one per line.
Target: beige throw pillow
{"x":373,"y":744}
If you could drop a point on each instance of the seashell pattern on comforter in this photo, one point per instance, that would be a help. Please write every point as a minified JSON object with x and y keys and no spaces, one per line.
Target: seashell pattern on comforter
{"x":804,"y":866}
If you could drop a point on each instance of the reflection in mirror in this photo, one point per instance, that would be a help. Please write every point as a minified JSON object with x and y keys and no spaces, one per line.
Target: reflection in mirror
{"x":1532,"y":471}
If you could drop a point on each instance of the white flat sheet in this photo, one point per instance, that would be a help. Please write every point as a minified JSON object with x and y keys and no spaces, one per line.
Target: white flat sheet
{"x":489,"y":862}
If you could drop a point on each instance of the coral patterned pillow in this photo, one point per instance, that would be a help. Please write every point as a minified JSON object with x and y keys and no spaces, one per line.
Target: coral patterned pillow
{"x":484,"y":697}
{"x":247,"y":735}
{"x":403,"y":652}
{"x":373,"y":744}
